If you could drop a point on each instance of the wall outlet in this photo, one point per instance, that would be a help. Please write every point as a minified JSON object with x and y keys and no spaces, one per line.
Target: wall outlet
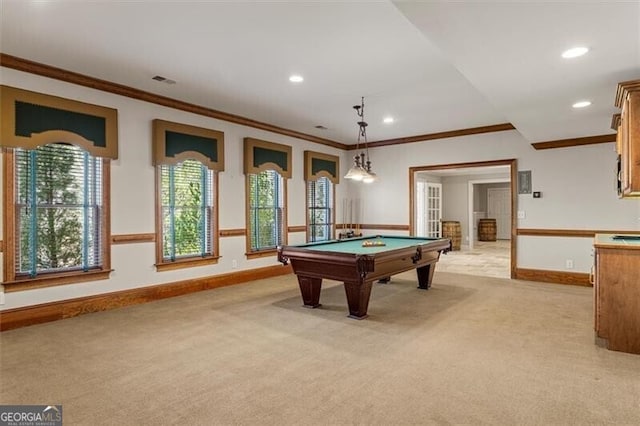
{"x":234,"y":264}
{"x":1,"y":294}
{"x":568,"y":263}
{"x":521,"y":214}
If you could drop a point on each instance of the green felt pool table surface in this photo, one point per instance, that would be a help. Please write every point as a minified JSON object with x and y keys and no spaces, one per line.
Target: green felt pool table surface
{"x":354,"y":245}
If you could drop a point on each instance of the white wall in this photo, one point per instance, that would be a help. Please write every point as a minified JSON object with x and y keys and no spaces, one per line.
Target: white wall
{"x":577,"y":185}
{"x":132,"y":192}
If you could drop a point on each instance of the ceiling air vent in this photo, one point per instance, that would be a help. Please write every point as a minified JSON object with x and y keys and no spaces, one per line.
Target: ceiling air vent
{"x":163,"y":79}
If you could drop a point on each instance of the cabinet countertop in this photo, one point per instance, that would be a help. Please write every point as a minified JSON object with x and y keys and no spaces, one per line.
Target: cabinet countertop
{"x":607,"y":241}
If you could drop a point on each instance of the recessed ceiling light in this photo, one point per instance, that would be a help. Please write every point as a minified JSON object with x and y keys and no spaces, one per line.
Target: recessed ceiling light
{"x":388,"y":120}
{"x":296,"y":78}
{"x":574,"y":52}
{"x":581,"y":104}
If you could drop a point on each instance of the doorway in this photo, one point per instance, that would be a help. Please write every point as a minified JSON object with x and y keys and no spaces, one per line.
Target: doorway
{"x":482,"y":207}
{"x":458,"y":184}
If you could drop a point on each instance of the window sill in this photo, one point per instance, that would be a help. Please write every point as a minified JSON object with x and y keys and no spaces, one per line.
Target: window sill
{"x":186,"y":263}
{"x":261,"y":253}
{"x":55,"y":280}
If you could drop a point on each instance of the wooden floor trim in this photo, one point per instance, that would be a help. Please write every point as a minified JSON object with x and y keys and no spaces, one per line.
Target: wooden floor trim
{"x":37,"y":314}
{"x":554,"y":277}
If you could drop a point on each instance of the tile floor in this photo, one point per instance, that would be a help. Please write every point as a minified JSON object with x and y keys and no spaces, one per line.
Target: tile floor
{"x":488,"y":258}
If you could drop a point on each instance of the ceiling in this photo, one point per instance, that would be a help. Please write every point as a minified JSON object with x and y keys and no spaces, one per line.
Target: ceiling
{"x":434,"y":66}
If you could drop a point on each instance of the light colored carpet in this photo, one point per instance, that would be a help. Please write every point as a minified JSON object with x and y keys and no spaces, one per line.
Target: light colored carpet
{"x":472,"y":350}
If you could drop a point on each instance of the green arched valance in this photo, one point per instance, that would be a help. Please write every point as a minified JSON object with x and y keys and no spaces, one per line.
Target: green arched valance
{"x":175,"y":142}
{"x":31,"y":119}
{"x":261,"y":155}
{"x":317,"y":164}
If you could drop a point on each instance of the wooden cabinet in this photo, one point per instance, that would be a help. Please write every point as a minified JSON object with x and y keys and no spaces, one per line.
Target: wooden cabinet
{"x":617,"y":293}
{"x":628,"y":138}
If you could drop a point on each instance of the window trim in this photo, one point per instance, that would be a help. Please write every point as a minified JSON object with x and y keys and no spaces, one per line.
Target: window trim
{"x":192,"y":261}
{"x":333,"y":210}
{"x":13,"y":283}
{"x":253,"y":254}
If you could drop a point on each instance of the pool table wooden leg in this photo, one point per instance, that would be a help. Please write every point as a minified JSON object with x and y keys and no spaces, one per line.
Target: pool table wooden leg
{"x":310,"y":291}
{"x":358,"y":295}
{"x":425,"y":275}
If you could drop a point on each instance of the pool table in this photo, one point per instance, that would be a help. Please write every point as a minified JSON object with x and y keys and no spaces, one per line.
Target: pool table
{"x":359,"y":266}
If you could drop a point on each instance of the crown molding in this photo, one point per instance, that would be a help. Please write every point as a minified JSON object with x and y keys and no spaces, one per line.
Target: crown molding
{"x":615,"y":121}
{"x":565,"y":143}
{"x":49,"y":71}
{"x":440,"y":135}
{"x":130,"y":92}
{"x":623,"y":88}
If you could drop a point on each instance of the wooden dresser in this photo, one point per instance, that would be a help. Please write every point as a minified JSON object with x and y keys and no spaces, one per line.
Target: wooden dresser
{"x":617,"y":293}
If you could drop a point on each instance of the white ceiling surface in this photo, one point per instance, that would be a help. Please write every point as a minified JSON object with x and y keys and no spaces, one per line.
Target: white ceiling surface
{"x":434,"y":66}
{"x":511,"y":53}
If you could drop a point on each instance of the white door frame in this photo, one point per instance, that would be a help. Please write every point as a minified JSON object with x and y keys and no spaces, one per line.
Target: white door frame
{"x":470,"y":226}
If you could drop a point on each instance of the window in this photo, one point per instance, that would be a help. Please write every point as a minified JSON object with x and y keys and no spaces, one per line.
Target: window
{"x":187,"y":228}
{"x":320,"y":213}
{"x":321,"y":172}
{"x":56,"y":156}
{"x":187,"y":160}
{"x":267,"y":166}
{"x":266,"y":192}
{"x":57,"y":221}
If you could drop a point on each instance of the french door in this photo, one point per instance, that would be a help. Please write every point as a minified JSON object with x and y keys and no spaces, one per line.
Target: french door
{"x":428,"y":209}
